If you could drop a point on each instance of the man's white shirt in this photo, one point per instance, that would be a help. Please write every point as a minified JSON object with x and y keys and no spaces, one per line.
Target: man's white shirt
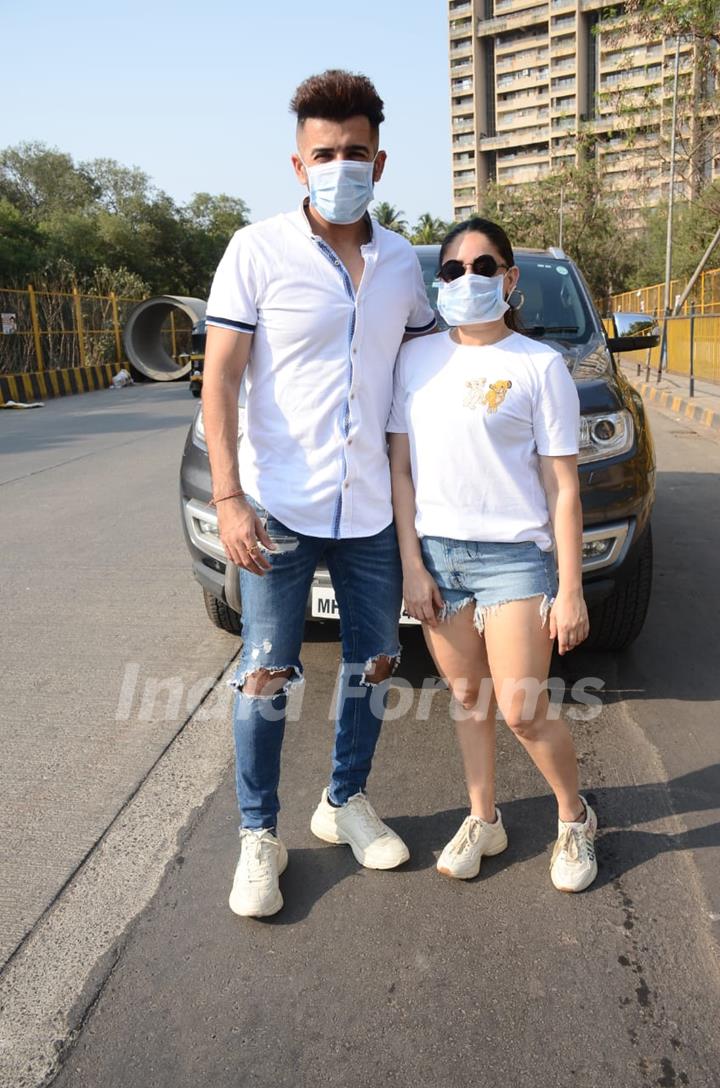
{"x":320,"y":376}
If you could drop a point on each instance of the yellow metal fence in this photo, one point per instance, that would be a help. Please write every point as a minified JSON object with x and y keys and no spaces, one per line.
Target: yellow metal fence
{"x":688,"y":339}
{"x":651,"y":300}
{"x":43,"y":331}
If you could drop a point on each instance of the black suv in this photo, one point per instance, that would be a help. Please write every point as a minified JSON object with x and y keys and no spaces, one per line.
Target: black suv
{"x":616,"y":462}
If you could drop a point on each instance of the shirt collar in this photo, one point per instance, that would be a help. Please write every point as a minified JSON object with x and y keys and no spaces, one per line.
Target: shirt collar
{"x":306,"y":228}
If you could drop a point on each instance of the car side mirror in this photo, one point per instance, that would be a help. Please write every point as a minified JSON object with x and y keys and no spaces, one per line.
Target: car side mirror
{"x":632,"y":332}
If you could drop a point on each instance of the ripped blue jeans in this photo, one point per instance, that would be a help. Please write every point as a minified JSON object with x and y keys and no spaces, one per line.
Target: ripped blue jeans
{"x":367,"y":579}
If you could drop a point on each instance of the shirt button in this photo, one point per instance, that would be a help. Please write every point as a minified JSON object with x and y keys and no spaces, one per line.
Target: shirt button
{"x":352,"y":396}
{"x":349,"y":442}
{"x":346,"y":485}
{"x":354,"y":351}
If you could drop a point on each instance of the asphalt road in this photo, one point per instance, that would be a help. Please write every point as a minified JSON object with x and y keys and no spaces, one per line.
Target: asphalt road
{"x":97,"y":607}
{"x":401,"y":978}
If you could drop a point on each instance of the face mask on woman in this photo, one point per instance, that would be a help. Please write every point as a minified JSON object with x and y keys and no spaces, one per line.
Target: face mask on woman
{"x":341,"y":190}
{"x":472,"y":300}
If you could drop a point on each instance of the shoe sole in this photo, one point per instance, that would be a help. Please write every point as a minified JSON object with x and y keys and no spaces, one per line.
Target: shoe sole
{"x":275,"y":906}
{"x":335,"y":840}
{"x":471,"y":876}
{"x":581,"y":888}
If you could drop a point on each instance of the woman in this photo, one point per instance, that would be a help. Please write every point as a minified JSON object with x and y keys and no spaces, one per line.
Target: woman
{"x":483,"y":447}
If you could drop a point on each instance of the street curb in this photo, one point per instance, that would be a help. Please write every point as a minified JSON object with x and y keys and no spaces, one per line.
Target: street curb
{"x":682,"y":405}
{"x":42,"y":384}
{"x":56,"y":973}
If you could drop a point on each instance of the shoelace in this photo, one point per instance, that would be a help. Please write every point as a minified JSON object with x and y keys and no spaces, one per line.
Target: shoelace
{"x":258,"y":849}
{"x":573,"y":844}
{"x":467,"y":836}
{"x":370,"y":822}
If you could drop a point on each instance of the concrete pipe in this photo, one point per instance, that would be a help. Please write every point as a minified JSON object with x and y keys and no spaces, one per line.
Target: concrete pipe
{"x":143,"y":340}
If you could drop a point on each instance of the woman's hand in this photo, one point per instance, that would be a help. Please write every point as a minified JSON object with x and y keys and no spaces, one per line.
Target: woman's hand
{"x":423,"y":599}
{"x":569,"y":622}
{"x":241,"y":532}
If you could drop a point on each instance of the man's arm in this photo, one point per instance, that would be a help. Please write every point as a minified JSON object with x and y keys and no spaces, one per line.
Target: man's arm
{"x":226,"y":357}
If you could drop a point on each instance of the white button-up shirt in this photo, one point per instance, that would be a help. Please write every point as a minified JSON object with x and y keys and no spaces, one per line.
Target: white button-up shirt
{"x":320,"y":376}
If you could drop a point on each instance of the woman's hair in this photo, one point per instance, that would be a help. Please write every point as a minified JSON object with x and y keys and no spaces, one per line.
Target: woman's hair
{"x":336,"y":95}
{"x":501,"y":242}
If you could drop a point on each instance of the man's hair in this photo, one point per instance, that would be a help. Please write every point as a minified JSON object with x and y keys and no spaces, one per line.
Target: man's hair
{"x":336,"y":95}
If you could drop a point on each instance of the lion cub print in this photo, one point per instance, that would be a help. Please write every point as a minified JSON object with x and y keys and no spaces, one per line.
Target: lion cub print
{"x":496,"y":395}
{"x":474,"y":396}
{"x":492,"y":399}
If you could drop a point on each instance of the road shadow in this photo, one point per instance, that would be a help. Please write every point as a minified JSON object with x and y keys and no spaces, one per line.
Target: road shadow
{"x":71,"y":419}
{"x":622,"y":843}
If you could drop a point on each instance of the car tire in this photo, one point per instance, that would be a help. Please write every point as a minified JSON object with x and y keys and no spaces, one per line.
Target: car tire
{"x":618,"y":620}
{"x":224,"y":617}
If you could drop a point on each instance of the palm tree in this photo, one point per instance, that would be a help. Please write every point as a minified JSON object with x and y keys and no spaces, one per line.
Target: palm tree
{"x":428,"y":230}
{"x":387,"y":215}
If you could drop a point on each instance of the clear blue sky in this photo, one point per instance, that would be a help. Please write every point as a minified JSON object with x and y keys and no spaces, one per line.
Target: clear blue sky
{"x":197,"y":94}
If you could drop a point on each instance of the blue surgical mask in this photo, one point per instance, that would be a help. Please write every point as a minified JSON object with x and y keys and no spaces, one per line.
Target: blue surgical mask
{"x":472,"y":300}
{"x":341,"y":190}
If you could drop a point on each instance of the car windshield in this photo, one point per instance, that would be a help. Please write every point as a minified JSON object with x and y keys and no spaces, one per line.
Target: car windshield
{"x":551,"y":303}
{"x":428,"y":257}
{"x":550,"y":299}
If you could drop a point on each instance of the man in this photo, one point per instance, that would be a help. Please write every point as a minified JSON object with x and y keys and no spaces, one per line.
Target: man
{"x":315,"y":304}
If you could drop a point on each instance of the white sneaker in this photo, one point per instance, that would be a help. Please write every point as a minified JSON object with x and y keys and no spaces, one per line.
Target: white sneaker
{"x":256,"y":890}
{"x":357,"y":824}
{"x":573,"y":866}
{"x":475,"y":838}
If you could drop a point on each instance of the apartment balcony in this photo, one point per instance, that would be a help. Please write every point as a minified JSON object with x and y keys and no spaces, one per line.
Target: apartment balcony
{"x":503,"y":49}
{"x":523,"y":157}
{"x":523,"y":59}
{"x":522,"y":175}
{"x":524,"y":99}
{"x":460,"y":48}
{"x":457,"y":86}
{"x":538,"y":134}
{"x":562,"y":47}
{"x":463,"y":139}
{"x":463,"y":124}
{"x":464,"y":68}
{"x":558,"y":5}
{"x":519,"y":81}
{"x":464,"y":107}
{"x":487,"y":28}
{"x":460,"y":30}
{"x":515,"y":124}
{"x":460,"y":9}
{"x":503,"y":7}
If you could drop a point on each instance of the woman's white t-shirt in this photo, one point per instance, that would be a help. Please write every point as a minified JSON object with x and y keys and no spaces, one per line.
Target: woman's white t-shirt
{"x":477,"y":418}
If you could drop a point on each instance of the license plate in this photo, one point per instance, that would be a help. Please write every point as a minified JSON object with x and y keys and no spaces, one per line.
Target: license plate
{"x":324,"y":606}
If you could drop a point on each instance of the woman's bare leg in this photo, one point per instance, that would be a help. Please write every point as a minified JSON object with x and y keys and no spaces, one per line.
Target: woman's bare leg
{"x":459,"y":653}
{"x":518,"y":653}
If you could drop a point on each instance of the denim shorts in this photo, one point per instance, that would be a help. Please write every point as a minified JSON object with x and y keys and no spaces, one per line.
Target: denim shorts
{"x":489,"y":574}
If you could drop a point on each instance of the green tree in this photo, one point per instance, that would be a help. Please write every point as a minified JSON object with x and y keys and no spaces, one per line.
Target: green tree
{"x":387,"y":215}
{"x":592,"y":228}
{"x":22,"y":246}
{"x":428,"y":230}
{"x":101,"y":214}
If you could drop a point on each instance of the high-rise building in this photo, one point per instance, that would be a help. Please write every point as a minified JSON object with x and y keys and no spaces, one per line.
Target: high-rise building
{"x":536,"y":84}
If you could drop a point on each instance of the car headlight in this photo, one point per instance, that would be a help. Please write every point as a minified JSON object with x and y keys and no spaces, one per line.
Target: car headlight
{"x":198,"y":431}
{"x":604,"y":435}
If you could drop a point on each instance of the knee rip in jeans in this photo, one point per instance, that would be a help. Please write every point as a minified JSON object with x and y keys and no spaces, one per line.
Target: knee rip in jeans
{"x":266,"y":683}
{"x":379,"y":668}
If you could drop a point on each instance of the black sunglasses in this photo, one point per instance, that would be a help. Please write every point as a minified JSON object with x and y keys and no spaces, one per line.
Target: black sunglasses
{"x":484,"y":265}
